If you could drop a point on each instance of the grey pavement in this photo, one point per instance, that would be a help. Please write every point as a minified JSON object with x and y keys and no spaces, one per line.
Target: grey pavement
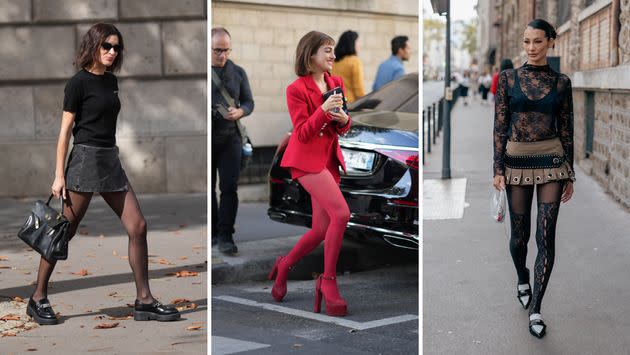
{"x":177,"y":241}
{"x":469,"y":279}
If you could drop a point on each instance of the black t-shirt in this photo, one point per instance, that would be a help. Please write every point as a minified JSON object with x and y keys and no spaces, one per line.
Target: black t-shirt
{"x":94,"y":101}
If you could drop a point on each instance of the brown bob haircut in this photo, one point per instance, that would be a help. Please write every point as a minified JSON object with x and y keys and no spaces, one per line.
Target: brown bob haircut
{"x":89,"y":49}
{"x":306,"y":48}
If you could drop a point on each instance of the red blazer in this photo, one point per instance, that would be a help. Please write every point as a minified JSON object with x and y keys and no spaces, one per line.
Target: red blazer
{"x":307,"y":150}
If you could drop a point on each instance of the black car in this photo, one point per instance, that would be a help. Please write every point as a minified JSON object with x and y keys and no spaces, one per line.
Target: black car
{"x":381,"y":155}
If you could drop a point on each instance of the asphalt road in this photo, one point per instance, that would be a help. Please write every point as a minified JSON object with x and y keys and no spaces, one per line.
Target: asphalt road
{"x":244,"y":316}
{"x":252,"y":223}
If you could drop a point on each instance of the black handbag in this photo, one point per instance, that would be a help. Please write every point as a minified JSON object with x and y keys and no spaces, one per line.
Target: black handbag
{"x":45,"y":231}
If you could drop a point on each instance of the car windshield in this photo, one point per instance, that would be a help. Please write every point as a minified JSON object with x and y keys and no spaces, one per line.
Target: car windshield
{"x":400,"y":95}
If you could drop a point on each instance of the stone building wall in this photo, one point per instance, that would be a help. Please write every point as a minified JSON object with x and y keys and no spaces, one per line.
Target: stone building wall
{"x":265,"y":35}
{"x":162,"y":124}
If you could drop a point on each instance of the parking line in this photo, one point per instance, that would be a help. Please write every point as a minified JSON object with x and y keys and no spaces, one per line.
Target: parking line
{"x":320,"y":317}
{"x":225,"y":346}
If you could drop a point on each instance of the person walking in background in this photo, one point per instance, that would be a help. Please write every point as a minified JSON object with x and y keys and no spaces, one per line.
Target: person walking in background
{"x":231,"y":100}
{"x":485,"y":81}
{"x":393,"y":68}
{"x":505,"y":64}
{"x":314,"y":156}
{"x":90,"y":112}
{"x":533,"y":150}
{"x":348,"y":65}
{"x":464,"y":85}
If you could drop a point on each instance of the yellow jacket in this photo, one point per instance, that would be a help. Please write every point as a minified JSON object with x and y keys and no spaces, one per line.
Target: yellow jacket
{"x":350,"y":69}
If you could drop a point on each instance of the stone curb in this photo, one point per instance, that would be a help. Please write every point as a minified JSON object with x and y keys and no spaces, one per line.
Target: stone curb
{"x":255,"y":259}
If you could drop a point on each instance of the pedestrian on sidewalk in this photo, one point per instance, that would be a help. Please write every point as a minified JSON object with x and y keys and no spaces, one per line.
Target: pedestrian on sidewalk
{"x":313,"y":156}
{"x":464,"y":85}
{"x":533,"y":150}
{"x":90,"y":110}
{"x":505,"y":64}
{"x":393,"y":68}
{"x":231,"y":101}
{"x":485,"y":83}
{"x":348,"y":66}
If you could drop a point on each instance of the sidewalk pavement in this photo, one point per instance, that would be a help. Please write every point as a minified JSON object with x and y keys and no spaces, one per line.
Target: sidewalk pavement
{"x":469,"y":279}
{"x":95,"y":285}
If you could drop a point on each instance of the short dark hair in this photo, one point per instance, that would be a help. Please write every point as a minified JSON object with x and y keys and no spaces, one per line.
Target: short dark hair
{"x":346,"y":45}
{"x":89,"y":48}
{"x":541,"y":24}
{"x":399,"y":42}
{"x":217,"y":30}
{"x":506,"y":64}
{"x":307,"y":47}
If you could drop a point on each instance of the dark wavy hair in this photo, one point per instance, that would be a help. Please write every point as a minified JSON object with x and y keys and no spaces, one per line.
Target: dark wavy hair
{"x":89,"y":49}
{"x":306,"y":48}
{"x":541,"y":24}
{"x":346,"y":45}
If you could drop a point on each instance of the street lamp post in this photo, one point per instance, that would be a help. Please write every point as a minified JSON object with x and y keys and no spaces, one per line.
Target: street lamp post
{"x":441,"y":7}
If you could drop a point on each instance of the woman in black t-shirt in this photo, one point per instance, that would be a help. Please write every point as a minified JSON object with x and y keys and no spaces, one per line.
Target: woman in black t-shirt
{"x":90,"y":109}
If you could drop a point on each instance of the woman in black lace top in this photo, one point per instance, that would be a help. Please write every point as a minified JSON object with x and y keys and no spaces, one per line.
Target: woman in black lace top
{"x":533,"y":150}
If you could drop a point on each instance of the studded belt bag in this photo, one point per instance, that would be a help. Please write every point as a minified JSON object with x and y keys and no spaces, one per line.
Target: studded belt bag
{"x":542,"y":161}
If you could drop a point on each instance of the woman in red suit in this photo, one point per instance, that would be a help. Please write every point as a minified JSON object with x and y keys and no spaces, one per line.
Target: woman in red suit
{"x":313,"y":155}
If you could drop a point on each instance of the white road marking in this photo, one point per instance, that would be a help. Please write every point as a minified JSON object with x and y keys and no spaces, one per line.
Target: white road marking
{"x":444,"y":199}
{"x":320,"y":317}
{"x":225,"y":346}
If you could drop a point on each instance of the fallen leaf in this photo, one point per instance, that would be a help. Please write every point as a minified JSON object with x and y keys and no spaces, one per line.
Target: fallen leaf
{"x":130,"y":305}
{"x":10,"y":317}
{"x":114,"y":253}
{"x":124,"y":257}
{"x":195,"y":323}
{"x":194,"y":327}
{"x":8,"y":334}
{"x":5,"y":267}
{"x":27,"y":273}
{"x":183,"y":257}
{"x":197,"y":283}
{"x":106,"y":325}
{"x":179,"y":300}
{"x":184,"y":273}
{"x":113,"y":294}
{"x":3,"y":258}
{"x":83,"y":231}
{"x":91,"y":256}
{"x":188,"y":306}
{"x":82,"y":272}
{"x":165,"y":262}
{"x":99,"y":317}
{"x":31,"y":349}
{"x":127,"y":317}
{"x":197,"y":247}
{"x":18,"y":299}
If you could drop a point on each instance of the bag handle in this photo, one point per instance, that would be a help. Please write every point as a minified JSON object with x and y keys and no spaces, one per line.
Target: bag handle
{"x":60,"y":204}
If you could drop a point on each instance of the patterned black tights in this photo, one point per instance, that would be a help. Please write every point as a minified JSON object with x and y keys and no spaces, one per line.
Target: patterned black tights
{"x":520,"y":204}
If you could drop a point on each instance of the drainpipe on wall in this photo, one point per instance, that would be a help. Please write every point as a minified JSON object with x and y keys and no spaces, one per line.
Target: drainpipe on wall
{"x":616,"y":26}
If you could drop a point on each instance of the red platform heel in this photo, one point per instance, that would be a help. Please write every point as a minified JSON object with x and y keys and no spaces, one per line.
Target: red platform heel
{"x":279,"y":289}
{"x":327,"y":287}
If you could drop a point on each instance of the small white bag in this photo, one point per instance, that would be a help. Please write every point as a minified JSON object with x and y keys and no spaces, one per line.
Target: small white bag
{"x":498,"y":209}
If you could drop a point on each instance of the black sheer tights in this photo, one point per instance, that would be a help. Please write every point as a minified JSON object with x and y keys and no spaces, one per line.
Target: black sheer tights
{"x":126,"y":207}
{"x":520,"y":204}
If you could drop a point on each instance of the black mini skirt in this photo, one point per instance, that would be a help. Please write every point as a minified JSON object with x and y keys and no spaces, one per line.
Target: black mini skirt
{"x":95,"y":169}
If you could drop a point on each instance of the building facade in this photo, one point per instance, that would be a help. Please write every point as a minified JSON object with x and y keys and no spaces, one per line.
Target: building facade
{"x":265,"y":35}
{"x":594,"y":48}
{"x":162,"y":124}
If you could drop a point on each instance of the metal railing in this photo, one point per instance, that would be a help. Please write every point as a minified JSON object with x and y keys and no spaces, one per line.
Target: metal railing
{"x":432,"y":121}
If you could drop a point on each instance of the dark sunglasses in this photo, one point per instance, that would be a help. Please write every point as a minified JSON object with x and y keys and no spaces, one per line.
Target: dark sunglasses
{"x":108,"y":46}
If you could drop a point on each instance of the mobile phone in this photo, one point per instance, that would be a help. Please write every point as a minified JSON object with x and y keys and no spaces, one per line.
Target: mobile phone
{"x":335,"y":91}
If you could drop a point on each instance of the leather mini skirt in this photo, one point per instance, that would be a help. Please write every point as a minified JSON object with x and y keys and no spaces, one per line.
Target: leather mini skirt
{"x":95,"y":169}
{"x":534,"y":163}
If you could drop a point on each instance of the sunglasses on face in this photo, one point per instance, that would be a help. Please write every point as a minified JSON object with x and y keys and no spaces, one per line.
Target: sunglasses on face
{"x":108,"y":46}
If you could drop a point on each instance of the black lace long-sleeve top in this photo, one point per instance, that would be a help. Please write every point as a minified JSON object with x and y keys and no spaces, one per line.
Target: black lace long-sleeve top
{"x":532,"y":103}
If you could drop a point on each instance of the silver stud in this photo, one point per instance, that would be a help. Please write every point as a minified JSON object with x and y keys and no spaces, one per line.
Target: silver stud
{"x":321,"y":133}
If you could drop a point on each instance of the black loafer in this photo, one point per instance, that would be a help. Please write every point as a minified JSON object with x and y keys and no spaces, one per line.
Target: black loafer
{"x":155,"y":310}
{"x":41,"y":312}
{"x":227,"y":246}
